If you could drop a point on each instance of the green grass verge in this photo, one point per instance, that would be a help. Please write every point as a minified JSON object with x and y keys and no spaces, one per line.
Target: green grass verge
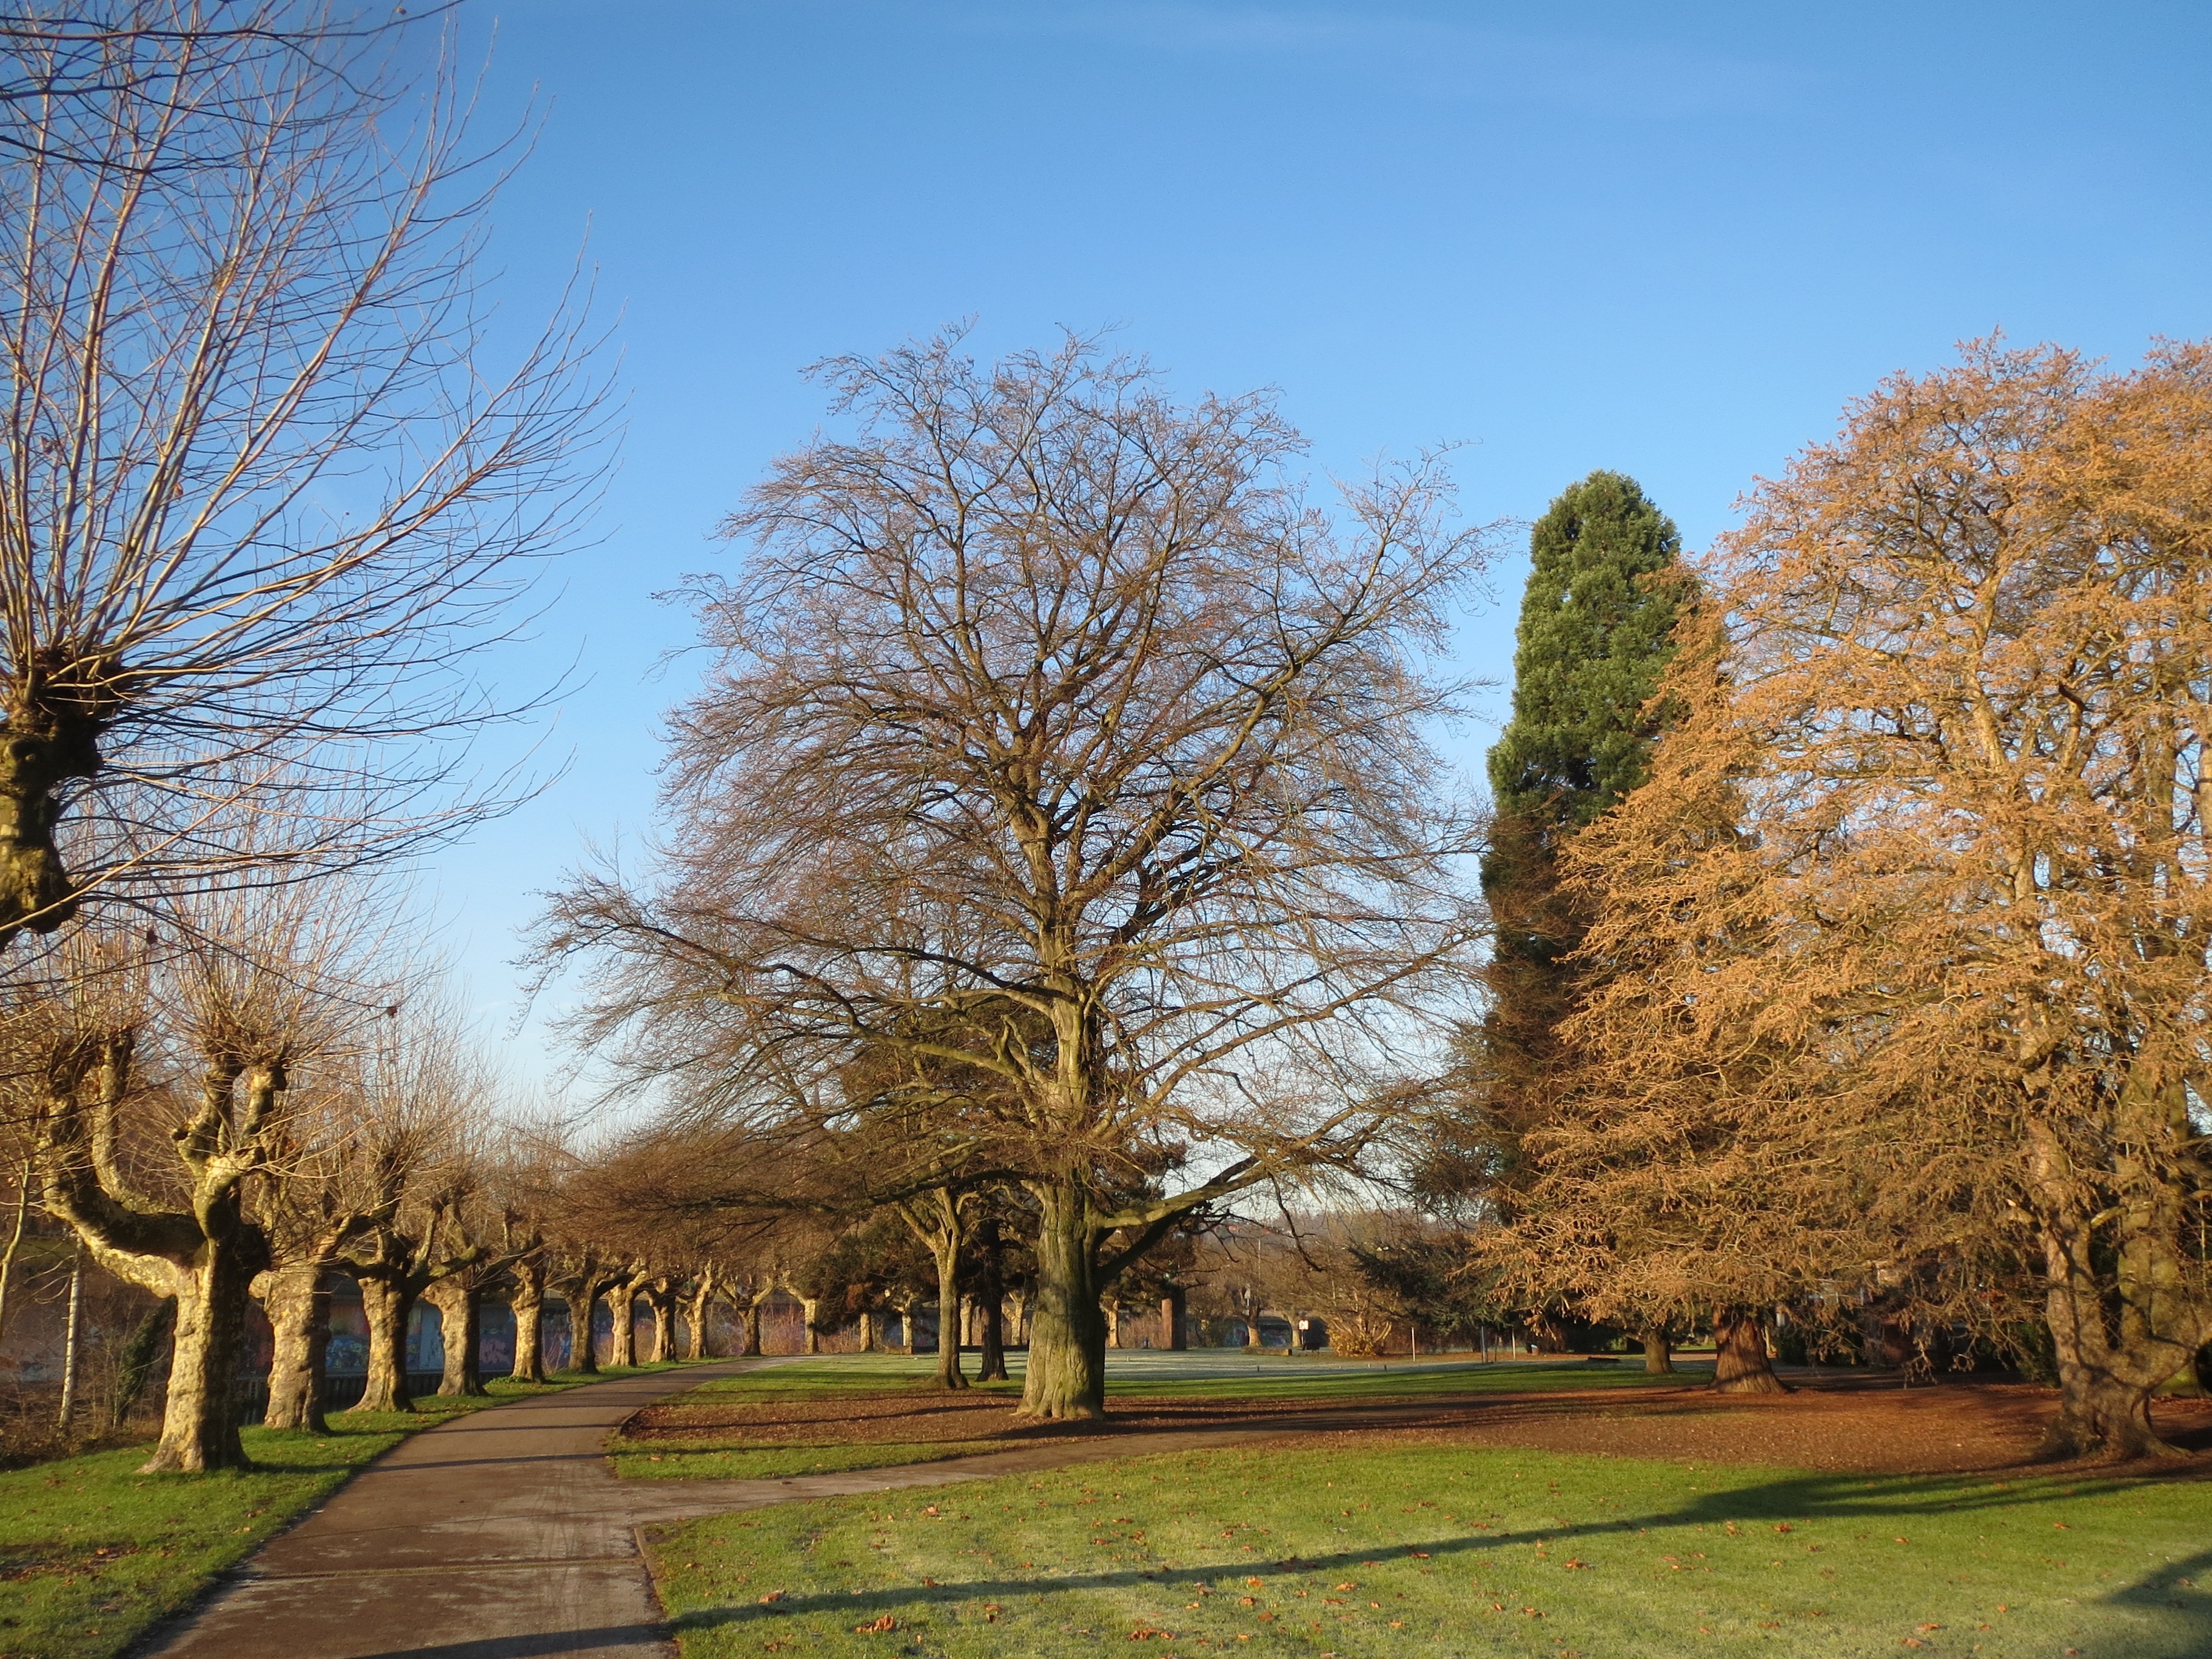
{"x":92,"y":1552}
{"x":777,"y":1460}
{"x":1435,"y":1551}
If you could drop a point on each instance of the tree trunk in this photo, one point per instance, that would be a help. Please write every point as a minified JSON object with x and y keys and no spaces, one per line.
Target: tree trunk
{"x":809,"y":1312}
{"x":15,"y":1240}
{"x":1172,"y":1317}
{"x":385,"y":1305}
{"x":581,"y":1302}
{"x":990,"y":1300}
{"x":1740,"y":1361}
{"x":947,"y":1251}
{"x":199,"y":1427}
{"x":297,"y":1300}
{"x":993,"y":1368}
{"x":660,"y":1302}
{"x":697,"y":1345}
{"x":622,"y":1340}
{"x":72,"y":1340}
{"x":460,"y":1329}
{"x":868,"y":1344}
{"x":753,"y":1326}
{"x":1659,"y":1353}
{"x":527,"y":1301}
{"x":1066,"y":1377}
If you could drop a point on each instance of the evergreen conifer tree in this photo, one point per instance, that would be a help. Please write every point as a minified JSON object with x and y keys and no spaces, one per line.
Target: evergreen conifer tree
{"x":1605,"y":588}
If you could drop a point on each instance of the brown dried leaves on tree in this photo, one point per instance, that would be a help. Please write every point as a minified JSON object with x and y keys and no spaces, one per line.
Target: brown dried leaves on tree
{"x":1905,"y":942}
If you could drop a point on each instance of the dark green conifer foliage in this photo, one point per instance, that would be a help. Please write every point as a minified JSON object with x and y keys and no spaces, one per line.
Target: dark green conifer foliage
{"x":1606,"y":587}
{"x":1597,"y":620}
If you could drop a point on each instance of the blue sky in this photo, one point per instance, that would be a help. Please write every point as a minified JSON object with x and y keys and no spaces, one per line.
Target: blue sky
{"x":1671,"y":240}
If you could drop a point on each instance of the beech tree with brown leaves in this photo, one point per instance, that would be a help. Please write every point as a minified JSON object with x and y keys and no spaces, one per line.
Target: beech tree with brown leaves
{"x":1904,"y":944}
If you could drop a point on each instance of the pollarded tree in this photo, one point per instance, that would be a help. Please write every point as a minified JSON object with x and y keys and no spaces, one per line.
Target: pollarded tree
{"x":1040,"y":692}
{"x":263,"y":491}
{"x":1918,"y":894}
{"x":254,"y":991}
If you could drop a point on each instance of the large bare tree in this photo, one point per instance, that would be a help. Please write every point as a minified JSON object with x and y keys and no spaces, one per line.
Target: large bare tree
{"x":1053,"y":730}
{"x":263,"y":488}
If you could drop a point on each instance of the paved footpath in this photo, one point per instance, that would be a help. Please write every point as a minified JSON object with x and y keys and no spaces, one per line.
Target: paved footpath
{"x":505,"y":1534}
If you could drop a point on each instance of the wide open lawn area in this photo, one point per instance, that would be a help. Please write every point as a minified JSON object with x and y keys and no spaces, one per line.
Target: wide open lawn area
{"x":1527,"y":1512}
{"x":1364,"y":1545}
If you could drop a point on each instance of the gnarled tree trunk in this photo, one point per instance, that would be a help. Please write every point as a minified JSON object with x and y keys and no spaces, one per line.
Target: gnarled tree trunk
{"x":1066,"y":1377}
{"x":661,"y":1302}
{"x":385,"y":1303}
{"x":1740,"y":1362}
{"x":297,"y":1299}
{"x":527,"y":1297}
{"x":621,"y":1339}
{"x":698,"y":1309}
{"x":459,"y":1303}
{"x":1658,"y":1353}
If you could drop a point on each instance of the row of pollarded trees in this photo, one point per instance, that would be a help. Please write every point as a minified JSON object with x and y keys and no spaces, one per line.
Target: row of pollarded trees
{"x":261,"y":1103}
{"x":1877,"y":969}
{"x":267,"y":489}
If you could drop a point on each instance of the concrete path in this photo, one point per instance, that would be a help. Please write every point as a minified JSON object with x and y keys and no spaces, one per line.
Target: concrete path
{"x":504,"y":1534}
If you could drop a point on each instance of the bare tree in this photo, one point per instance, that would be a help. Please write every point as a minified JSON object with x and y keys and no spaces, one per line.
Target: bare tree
{"x":1055,"y":733}
{"x":261,"y":496}
{"x":254,"y":990}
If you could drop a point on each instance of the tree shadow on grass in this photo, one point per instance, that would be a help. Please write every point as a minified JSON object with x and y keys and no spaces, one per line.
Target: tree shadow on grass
{"x":2166,"y":1593}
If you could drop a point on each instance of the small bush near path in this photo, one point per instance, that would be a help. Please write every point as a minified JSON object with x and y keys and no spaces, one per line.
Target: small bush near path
{"x":91,"y":1552}
{"x":1368,"y":1548}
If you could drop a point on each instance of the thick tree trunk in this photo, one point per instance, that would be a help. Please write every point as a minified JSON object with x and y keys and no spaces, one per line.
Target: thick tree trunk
{"x":1112,"y":1313}
{"x":660,"y":1302}
{"x":527,"y":1302}
{"x":753,"y":1326}
{"x":810,"y":1312}
{"x":199,"y":1426}
{"x":297,"y":1300}
{"x":1740,"y":1361}
{"x":1171,"y":1317}
{"x":1066,"y":1377}
{"x":621,"y":1339}
{"x":580,"y":1305}
{"x":142,"y":1355}
{"x":385,"y":1305}
{"x":460,"y":1329}
{"x":1658,"y":1353}
{"x":2104,"y":1393}
{"x":868,"y":1343}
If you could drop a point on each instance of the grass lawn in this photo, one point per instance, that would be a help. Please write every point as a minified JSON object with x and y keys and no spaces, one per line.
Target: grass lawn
{"x":91,"y":1552}
{"x":1428,"y":1550}
{"x":752,"y":1456}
